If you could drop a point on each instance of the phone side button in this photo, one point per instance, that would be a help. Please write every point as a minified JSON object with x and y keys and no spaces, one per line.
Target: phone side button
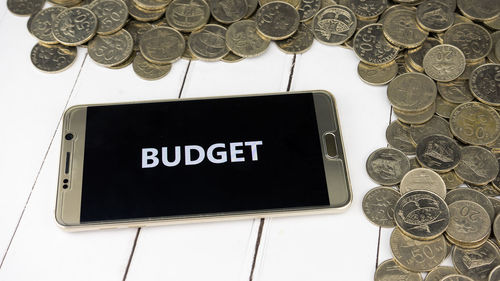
{"x":331,"y":145}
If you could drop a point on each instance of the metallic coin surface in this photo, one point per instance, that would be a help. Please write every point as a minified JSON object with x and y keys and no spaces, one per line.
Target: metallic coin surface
{"x":52,"y":58}
{"x":476,"y":263}
{"x":74,"y":26}
{"x":472,"y":39}
{"x":423,"y":179}
{"x":277,"y":20}
{"x":479,"y":9}
{"x":41,"y":25}
{"x":389,"y":270}
{"x":398,"y":136}
{"x":456,"y":277}
{"x":444,"y":108}
{"x":496,"y":229}
{"x":387,"y":166}
{"x":333,"y":25}
{"x":110,"y":50}
{"x":436,"y":125}
{"x":496,"y":181}
{"x":439,"y":153}
{"x":469,"y":222}
{"x":377,"y":74}
{"x":457,"y":91}
{"x":469,"y":67}
{"x":435,"y":16}
{"x":142,"y":14}
{"x":471,"y":195}
{"x":485,"y":84}
{"x":136,"y":29}
{"x":152,"y":4}
{"x":495,"y":274}
{"x":111,"y":14}
{"x":495,"y":38}
{"x":209,"y":43}
{"x":126,"y":63}
{"x":187,"y":15}
{"x":416,"y":56}
{"x":368,"y":9}
{"x":25,"y":7}
{"x":162,"y":45}
{"x":496,"y":205}
{"x":412,"y":92}
{"x":414,"y":163}
{"x":308,"y":8}
{"x":251,"y":7}
{"x":415,"y":255}
{"x":371,"y":47}
{"x":294,"y":3}
{"x":439,"y":273}
{"x":401,"y":29}
{"x":421,"y":215}
{"x":299,"y":42}
{"x":417,"y":117}
{"x":243,"y":40}
{"x":478,"y":165}
{"x":378,"y":205}
{"x":147,"y":70}
{"x":488,"y":190}
{"x":451,"y":180}
{"x":475,"y":123}
{"x":232,"y":57}
{"x":228,"y":11}
{"x":444,"y":63}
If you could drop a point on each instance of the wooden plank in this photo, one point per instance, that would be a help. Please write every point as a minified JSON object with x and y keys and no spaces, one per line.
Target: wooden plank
{"x":343,"y":246}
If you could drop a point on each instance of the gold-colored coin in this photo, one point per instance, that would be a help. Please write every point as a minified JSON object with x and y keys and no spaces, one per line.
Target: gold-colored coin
{"x":232,"y":57}
{"x":335,"y":34}
{"x":414,"y":164}
{"x":469,"y":223}
{"x":243,"y":40}
{"x":110,"y":50}
{"x":435,"y":16}
{"x":25,"y":7}
{"x":294,"y":3}
{"x":476,"y":263}
{"x":397,"y":135}
{"x":416,"y":117}
{"x":493,"y":24}
{"x":444,"y":63}
{"x":416,"y":56}
{"x":141,"y":14}
{"x":126,"y":63}
{"x":423,"y":179}
{"x":368,"y":9}
{"x":209,"y":43}
{"x":162,"y":45}
{"x":387,"y":166}
{"x":496,"y":228}
{"x":377,"y":74}
{"x":485,"y":84}
{"x":479,"y":9}
{"x":401,"y":29}
{"x":251,"y":7}
{"x":495,"y":274}
{"x":111,"y":14}
{"x":228,"y":11}
{"x":469,"y":67}
{"x":456,"y":277}
{"x":308,"y":8}
{"x":475,"y":123}
{"x":74,"y":26}
{"x":439,"y":273}
{"x":488,"y":190}
{"x":378,"y":205}
{"x":478,"y":165}
{"x":472,"y":39}
{"x":456,"y":92}
{"x":41,"y":25}
{"x":371,"y":47}
{"x":443,"y":107}
{"x":152,"y":4}
{"x":149,"y":71}
{"x":451,"y":180}
{"x":412,"y":92}
{"x":389,"y":270}
{"x":471,"y":195}
{"x":299,"y":42}
{"x":435,"y":126}
{"x":66,"y":3}
{"x":187,"y":15}
{"x":497,"y":49}
{"x":52,"y":58}
{"x":136,"y":29}
{"x":277,"y":20}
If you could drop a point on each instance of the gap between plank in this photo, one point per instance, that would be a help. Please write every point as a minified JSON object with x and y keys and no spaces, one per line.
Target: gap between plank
{"x":43,"y":162}
{"x":184,"y":79}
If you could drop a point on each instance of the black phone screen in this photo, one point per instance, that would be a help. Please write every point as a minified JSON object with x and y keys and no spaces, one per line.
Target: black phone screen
{"x":193,"y":157}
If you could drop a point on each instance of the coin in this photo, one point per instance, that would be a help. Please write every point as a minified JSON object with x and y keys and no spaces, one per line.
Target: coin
{"x":476,"y":263}
{"x":457,"y":91}
{"x":444,"y":63}
{"x":479,"y":9}
{"x":401,"y":29}
{"x":149,"y":71}
{"x":456,"y":277}
{"x":397,"y":135}
{"x":308,"y":8}
{"x":209,"y":43}
{"x":387,"y":166}
{"x":414,"y":163}
{"x":277,"y":20}
{"x":162,"y":45}
{"x":228,"y":11}
{"x":371,"y":47}
{"x":475,"y":123}
{"x":495,"y":39}
{"x":495,"y":274}
{"x":111,"y":14}
{"x":294,"y":3}
{"x":435,"y":16}
{"x":377,"y":74}
{"x":299,"y":42}
{"x":493,"y":24}
{"x":485,"y":84}
{"x":439,"y":273}
{"x":415,"y":255}
{"x":126,"y":63}
{"x":52,"y":58}
{"x":378,"y":205}
{"x":472,"y":39}
{"x":451,"y":180}
{"x":487,"y":190}
{"x":436,"y":125}
{"x":423,"y":179}
{"x":231,"y":57}
{"x":469,"y":67}
{"x":187,"y":15}
{"x":417,"y":117}
{"x":469,"y":222}
{"x":478,"y":165}
{"x":439,"y":153}
{"x":243,"y":40}
{"x":389,"y":270}
{"x":412,"y":92}
{"x":416,"y":56}
{"x":334,"y":25}
{"x":74,"y":26}
{"x":421,"y":215}
{"x":142,"y":14}
{"x":472,"y":195}
{"x":444,"y":108}
{"x":110,"y":50}
{"x":41,"y":25}
{"x":25,"y":7}
{"x":496,"y":205}
{"x":368,"y":9}
{"x":496,"y":181}
{"x":152,"y":4}
{"x":496,"y":228}
{"x":136,"y":29}
{"x":251,"y":7}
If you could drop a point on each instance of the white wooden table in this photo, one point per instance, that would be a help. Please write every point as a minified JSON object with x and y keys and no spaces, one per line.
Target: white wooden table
{"x":33,"y":247}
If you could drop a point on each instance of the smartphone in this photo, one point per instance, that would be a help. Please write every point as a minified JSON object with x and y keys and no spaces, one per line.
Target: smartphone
{"x":186,"y":160}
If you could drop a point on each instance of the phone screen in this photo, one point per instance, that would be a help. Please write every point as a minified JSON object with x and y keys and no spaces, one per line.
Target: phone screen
{"x":194,"y":157}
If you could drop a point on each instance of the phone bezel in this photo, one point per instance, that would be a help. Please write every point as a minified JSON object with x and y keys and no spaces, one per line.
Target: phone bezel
{"x":68,"y":202}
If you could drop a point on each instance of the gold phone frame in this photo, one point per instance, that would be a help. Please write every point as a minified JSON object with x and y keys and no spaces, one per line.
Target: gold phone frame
{"x":69,"y":188}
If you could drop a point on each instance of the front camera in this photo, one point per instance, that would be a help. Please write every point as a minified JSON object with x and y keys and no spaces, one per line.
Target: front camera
{"x":68,"y":136}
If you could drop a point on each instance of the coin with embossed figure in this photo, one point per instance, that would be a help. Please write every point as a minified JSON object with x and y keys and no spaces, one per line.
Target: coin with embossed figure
{"x":416,"y":56}
{"x":397,"y":135}
{"x":439,"y":153}
{"x":412,"y":92}
{"x":162,"y":45}
{"x":111,"y":14}
{"x":378,"y":205}
{"x":476,"y":263}
{"x":416,"y":117}
{"x":333,"y":25}
{"x":277,"y":20}
{"x":147,"y":70}
{"x":308,"y":8}
{"x":436,"y":125}
{"x":228,"y":11}
{"x":368,"y":9}
{"x":439,"y":273}
{"x":25,"y":7}
{"x":377,"y":74}
{"x":479,"y":9}
{"x":136,"y":29}
{"x":209,"y":43}
{"x":389,"y":270}
{"x":471,"y":195}
{"x":152,"y":4}
{"x":371,"y":47}
{"x":444,"y":63}
{"x":294,"y":3}
{"x":387,"y":166}
{"x":485,"y":84}
{"x":74,"y":26}
{"x":475,"y":123}
{"x":435,"y":16}
{"x":469,"y":223}
{"x":187,"y":15}
{"x":451,"y":180}
{"x":52,"y":58}
{"x":416,"y":255}
{"x":421,"y":215}
{"x":401,"y":29}
{"x":472,"y":39}
{"x":141,"y":14}
{"x":478,"y":165}
{"x":456,"y":277}
{"x":299,"y":42}
{"x":41,"y":25}
{"x":243,"y":40}
{"x":423,"y":179}
{"x":457,"y":91}
{"x":110,"y":50}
